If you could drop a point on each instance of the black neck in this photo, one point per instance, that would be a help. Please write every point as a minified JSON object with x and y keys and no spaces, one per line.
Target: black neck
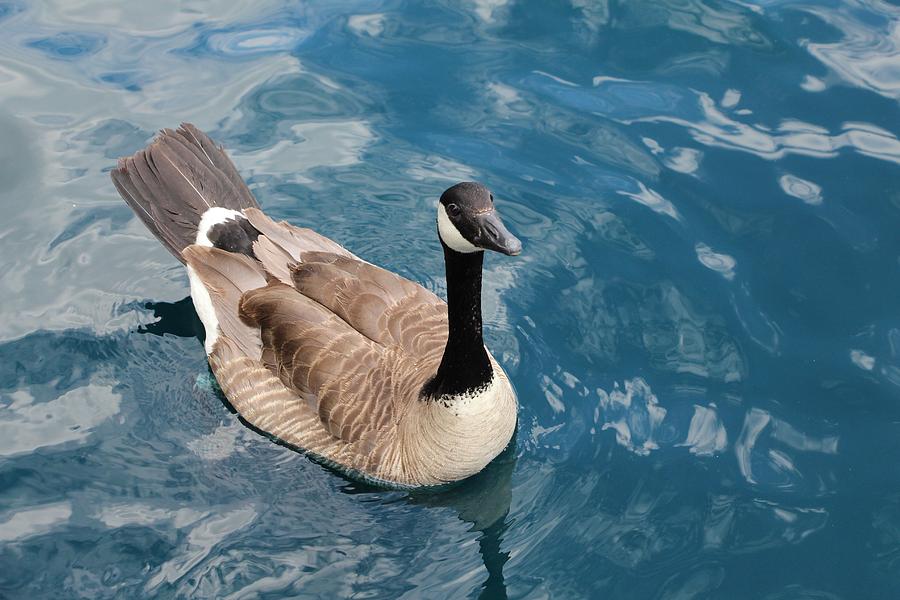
{"x":465,"y":365}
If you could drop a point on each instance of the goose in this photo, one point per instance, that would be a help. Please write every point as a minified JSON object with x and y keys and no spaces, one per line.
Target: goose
{"x":362,"y":369}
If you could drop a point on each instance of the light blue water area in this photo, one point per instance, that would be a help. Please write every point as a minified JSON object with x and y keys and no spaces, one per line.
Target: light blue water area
{"x":703,"y":329}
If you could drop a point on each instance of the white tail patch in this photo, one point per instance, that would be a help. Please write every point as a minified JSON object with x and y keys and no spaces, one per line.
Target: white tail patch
{"x":210,"y":219}
{"x":204,"y":307}
{"x":199,"y":293}
{"x":451,"y":235}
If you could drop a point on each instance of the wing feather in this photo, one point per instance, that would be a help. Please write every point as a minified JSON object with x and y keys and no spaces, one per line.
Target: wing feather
{"x":293,"y":240}
{"x":320,"y":357}
{"x":226,"y":276}
{"x":353,"y":341}
{"x":379,"y":304}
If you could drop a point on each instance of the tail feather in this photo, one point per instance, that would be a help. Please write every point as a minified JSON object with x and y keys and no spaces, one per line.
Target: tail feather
{"x":177,"y":178}
{"x":217,"y":158}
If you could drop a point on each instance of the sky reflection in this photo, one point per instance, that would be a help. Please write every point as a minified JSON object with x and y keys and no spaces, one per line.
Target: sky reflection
{"x":702,"y":328}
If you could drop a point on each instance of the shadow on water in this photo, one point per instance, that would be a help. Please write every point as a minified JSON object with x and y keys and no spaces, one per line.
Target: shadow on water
{"x":483,"y":501}
{"x":176,"y":318}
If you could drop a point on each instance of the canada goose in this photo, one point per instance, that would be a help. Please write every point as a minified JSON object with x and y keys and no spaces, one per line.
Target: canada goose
{"x":322,"y":350}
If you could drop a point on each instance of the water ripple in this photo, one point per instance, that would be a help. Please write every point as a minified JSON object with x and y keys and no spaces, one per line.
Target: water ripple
{"x":865,"y":56}
{"x":711,"y":125}
{"x":700,"y":328}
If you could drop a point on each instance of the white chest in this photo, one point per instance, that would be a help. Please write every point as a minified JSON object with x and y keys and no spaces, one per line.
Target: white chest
{"x":457,"y":436}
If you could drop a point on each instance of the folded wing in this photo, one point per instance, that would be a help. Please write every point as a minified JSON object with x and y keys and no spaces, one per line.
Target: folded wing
{"x":351,"y":341}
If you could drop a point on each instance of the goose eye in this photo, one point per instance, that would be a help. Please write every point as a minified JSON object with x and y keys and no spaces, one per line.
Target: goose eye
{"x":453,"y":210}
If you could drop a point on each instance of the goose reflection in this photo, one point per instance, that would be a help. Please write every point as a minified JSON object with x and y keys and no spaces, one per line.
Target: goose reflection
{"x":483,"y":500}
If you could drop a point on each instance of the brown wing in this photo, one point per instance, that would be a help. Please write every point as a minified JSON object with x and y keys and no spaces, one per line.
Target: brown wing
{"x":383,"y":306}
{"x":329,"y":390}
{"x":293,"y":240}
{"x":345,"y":376}
{"x":386,"y":308}
{"x":226,"y":276}
{"x":353,"y":341}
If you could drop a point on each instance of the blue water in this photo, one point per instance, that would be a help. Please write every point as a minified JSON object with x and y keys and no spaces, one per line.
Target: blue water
{"x":704,"y":328}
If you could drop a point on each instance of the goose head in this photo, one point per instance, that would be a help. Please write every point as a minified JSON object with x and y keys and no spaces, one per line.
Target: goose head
{"x":468,"y":221}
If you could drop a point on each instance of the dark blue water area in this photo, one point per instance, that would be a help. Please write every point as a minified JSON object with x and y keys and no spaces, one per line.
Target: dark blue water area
{"x":703,"y":329}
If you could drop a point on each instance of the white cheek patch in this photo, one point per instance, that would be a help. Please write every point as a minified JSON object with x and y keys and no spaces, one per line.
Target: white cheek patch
{"x":451,"y":235}
{"x":211,"y":218}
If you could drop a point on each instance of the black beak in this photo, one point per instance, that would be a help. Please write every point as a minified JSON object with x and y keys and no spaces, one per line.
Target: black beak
{"x":493,"y":235}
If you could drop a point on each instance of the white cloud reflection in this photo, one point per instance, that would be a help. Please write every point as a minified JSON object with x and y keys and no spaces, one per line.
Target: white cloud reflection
{"x":716,"y":261}
{"x":652,"y":200}
{"x":864,"y":57}
{"x":862,"y":360}
{"x":371,"y":25}
{"x":30,"y":522}
{"x":791,"y":136}
{"x":706,"y":433}
{"x":28,"y":425}
{"x":776,"y":461}
{"x":633,"y":413}
{"x":308,"y":146}
{"x":807,"y":191}
{"x":489,"y":10}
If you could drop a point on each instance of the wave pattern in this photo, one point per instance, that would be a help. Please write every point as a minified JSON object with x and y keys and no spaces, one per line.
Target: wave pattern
{"x":703,"y":328}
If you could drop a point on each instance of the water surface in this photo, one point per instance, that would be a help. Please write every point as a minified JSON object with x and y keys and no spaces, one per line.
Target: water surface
{"x":703,"y":329}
